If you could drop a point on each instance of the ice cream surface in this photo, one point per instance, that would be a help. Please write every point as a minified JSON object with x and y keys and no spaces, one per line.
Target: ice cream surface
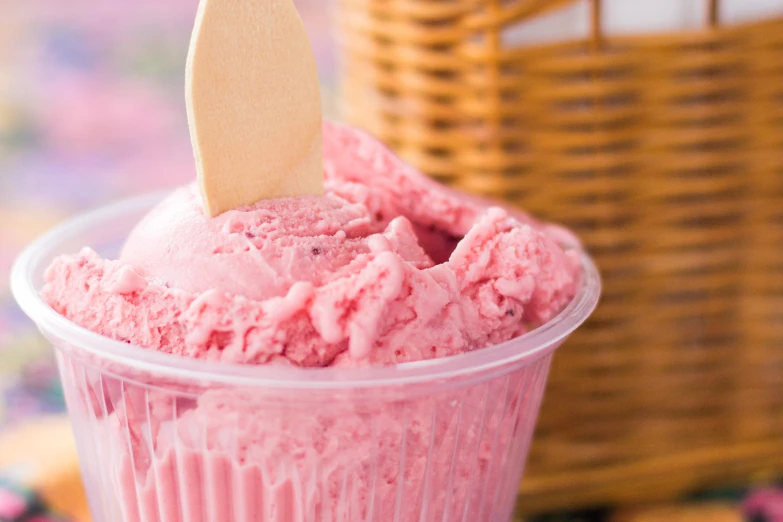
{"x":387,"y":267}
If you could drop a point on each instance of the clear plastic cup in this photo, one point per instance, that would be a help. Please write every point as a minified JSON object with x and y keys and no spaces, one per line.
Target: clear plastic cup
{"x":168,"y":439}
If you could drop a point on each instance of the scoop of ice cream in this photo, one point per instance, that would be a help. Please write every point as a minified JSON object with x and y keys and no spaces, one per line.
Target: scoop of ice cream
{"x":387,"y":267}
{"x":361,"y":169}
{"x":259,"y":252}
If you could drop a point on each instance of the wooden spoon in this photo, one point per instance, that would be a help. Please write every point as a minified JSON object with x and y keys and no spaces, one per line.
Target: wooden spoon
{"x":253,"y":103}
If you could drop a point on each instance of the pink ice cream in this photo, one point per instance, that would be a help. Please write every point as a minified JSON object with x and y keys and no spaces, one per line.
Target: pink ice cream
{"x":388,"y":267}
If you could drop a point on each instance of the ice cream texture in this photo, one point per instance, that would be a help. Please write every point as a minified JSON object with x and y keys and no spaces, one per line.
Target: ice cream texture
{"x":388,"y":267}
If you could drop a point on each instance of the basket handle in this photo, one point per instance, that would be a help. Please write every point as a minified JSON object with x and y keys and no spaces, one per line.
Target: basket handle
{"x":595,"y":24}
{"x":713,"y":16}
{"x":596,"y":35}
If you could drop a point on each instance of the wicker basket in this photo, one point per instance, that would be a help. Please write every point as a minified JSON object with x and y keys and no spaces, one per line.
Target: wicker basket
{"x":665,"y":153}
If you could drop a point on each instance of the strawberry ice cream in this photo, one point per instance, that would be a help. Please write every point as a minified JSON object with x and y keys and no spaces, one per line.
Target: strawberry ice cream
{"x":388,"y":267}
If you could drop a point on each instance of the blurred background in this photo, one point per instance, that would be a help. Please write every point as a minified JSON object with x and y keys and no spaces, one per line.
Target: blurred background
{"x":654,"y":128}
{"x":91,"y":110}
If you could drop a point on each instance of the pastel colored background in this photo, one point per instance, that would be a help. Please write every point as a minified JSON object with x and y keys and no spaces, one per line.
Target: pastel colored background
{"x":91,"y":110}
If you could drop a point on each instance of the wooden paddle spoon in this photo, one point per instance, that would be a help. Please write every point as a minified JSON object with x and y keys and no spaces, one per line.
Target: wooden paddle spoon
{"x":253,"y":102}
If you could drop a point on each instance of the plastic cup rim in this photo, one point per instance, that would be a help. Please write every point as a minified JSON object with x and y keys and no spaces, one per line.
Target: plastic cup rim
{"x":525,"y":348}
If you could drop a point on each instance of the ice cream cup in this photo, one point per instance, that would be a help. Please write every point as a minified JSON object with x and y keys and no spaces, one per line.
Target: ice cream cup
{"x":162,"y":438}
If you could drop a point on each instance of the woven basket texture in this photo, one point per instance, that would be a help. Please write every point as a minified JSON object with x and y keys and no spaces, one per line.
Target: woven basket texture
{"x":665,"y":153}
